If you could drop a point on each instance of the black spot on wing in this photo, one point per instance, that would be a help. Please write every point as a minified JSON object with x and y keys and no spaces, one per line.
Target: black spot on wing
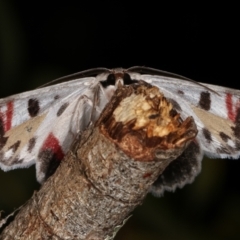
{"x":205,"y":101}
{"x":224,"y":136}
{"x":180,"y":92}
{"x":237,"y":146}
{"x":56,"y":97}
{"x":62,"y":109}
{"x":33,"y":107}
{"x":31,"y":144}
{"x":48,"y":162}
{"x":207,"y":135}
{"x":223,"y":150}
{"x":15,"y":146}
{"x":236,"y":129}
{"x":10,"y":161}
{"x":16,"y":160}
{"x":3,"y":139}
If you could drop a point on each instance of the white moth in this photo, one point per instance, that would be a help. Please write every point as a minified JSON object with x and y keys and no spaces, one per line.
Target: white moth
{"x":39,"y":126}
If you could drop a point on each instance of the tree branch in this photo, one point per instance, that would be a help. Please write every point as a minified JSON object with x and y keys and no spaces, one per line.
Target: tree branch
{"x":109,"y":171}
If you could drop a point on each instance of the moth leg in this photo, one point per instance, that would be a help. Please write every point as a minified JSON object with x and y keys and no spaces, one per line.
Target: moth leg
{"x":82,"y":115}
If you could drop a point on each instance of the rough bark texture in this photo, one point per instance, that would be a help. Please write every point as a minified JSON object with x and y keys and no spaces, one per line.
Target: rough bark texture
{"x":108,"y":173}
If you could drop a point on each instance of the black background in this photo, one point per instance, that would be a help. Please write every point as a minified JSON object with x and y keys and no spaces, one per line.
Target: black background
{"x":43,"y":41}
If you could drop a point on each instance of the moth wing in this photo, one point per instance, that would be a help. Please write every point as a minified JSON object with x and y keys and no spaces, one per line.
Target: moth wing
{"x":43,"y":123}
{"x":181,"y":171}
{"x":216,"y":111}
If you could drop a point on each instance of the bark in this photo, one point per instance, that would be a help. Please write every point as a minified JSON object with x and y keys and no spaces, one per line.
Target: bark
{"x":109,"y":171}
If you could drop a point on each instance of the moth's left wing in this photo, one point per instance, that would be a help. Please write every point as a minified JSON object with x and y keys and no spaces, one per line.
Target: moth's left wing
{"x":40,"y":125}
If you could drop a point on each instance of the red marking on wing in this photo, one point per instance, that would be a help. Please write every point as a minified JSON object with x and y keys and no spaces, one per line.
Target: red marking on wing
{"x":7,"y":116}
{"x":52,"y":143}
{"x":232,"y":108}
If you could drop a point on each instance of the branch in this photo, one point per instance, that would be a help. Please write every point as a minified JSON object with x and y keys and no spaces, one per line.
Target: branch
{"x":109,"y":171}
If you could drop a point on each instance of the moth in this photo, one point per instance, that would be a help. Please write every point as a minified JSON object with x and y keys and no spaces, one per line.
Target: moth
{"x":39,"y":126}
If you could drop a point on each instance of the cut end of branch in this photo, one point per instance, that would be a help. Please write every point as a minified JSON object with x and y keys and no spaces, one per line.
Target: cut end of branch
{"x":142,"y":122}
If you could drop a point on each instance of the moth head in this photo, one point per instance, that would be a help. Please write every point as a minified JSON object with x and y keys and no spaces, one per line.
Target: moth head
{"x":114,"y":79}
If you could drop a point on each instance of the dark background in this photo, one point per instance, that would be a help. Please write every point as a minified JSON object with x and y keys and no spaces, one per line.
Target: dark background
{"x":43,"y":41}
